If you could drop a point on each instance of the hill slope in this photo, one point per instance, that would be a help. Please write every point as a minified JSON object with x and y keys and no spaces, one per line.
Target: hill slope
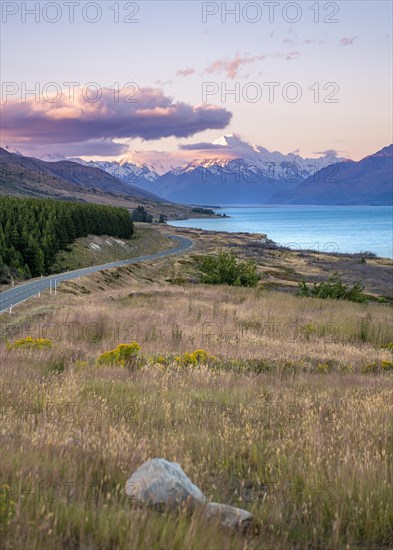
{"x":368,"y":181}
{"x":29,"y":176}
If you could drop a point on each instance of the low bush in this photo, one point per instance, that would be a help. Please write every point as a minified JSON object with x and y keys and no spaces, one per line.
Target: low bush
{"x":387,"y":365}
{"x":30,"y":343}
{"x":124,"y":355}
{"x":334,"y":289}
{"x":139,"y":214}
{"x":388,"y":345}
{"x":224,"y":269}
{"x":197,"y":357}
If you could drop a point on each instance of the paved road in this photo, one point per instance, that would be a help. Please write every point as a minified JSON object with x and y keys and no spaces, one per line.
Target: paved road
{"x":23,"y":292}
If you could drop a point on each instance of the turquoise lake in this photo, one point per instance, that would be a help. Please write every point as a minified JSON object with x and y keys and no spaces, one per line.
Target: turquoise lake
{"x":324,"y":228}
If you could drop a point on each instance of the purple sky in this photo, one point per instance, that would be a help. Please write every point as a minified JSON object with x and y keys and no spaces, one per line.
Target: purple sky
{"x":172,"y":77}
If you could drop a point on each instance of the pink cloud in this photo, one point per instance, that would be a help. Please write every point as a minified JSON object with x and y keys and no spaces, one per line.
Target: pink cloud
{"x":348,"y":41}
{"x":185,"y":72}
{"x":291,"y":43}
{"x":232,"y":67}
{"x":151,"y":116}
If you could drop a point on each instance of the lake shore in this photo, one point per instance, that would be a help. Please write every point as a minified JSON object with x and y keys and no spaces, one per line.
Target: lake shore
{"x":341,"y":230}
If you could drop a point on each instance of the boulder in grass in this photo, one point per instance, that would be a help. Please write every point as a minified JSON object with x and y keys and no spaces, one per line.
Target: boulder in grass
{"x":163,"y":485}
{"x":229,"y":516}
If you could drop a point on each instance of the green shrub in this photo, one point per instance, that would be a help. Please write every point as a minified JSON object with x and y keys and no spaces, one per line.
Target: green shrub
{"x":370,"y":368}
{"x":323,"y":368}
{"x":334,"y":289}
{"x":197,"y":357}
{"x":200,"y":210}
{"x":375,"y":367}
{"x":224,"y":269}
{"x":308,"y":331}
{"x":388,"y":345}
{"x":387,"y":365}
{"x":124,"y":355}
{"x":56,"y":365}
{"x":139,"y":214}
{"x":30,"y":343}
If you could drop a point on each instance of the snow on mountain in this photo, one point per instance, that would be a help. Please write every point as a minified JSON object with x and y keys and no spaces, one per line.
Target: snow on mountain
{"x":228,"y":154}
{"x":12,"y":150}
{"x":155,"y":166}
{"x":52,"y":157}
{"x":368,"y":181}
{"x":235,"y":172}
{"x":128,"y":172}
{"x":274,"y":165}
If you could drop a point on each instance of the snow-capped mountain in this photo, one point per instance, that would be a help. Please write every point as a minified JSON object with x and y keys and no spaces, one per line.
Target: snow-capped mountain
{"x":274,"y":165}
{"x":233,"y":171}
{"x":368,"y":181}
{"x":29,"y":176}
{"x":237,"y":173}
{"x":128,"y":172}
{"x":226,"y":149}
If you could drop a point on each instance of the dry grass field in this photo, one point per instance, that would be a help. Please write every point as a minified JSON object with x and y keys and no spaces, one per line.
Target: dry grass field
{"x":289,"y":414}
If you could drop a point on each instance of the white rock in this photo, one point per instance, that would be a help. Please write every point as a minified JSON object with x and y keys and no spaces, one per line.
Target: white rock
{"x":229,"y":516}
{"x":163,"y":484}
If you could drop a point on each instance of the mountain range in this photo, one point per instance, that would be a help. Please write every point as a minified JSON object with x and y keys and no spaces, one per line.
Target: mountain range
{"x":60,"y":178}
{"x":368,"y":181}
{"x":240,"y":174}
{"x":250,"y":174}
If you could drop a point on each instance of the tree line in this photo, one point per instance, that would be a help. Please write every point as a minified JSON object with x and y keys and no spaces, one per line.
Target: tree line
{"x":140,"y":214}
{"x":33,"y":231}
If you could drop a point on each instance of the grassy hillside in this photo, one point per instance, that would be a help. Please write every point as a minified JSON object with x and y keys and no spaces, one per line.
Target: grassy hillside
{"x":93,"y":250}
{"x":288,"y":414}
{"x":31,"y":176}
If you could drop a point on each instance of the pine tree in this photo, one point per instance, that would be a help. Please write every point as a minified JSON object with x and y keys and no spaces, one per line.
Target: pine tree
{"x":32,"y":231}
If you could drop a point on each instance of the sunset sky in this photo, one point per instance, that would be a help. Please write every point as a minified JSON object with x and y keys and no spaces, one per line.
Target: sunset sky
{"x":172,"y":53}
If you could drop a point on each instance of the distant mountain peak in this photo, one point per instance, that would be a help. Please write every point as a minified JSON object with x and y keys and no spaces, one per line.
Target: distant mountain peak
{"x":367,"y":181}
{"x":385,"y":152}
{"x":228,"y":140}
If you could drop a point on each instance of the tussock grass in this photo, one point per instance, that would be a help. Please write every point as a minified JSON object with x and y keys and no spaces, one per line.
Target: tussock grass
{"x":311,"y":456}
{"x":229,"y":322}
{"x":288,"y":422}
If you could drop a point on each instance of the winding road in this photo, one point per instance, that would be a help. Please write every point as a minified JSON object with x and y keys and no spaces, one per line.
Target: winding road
{"x":12,"y":297}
